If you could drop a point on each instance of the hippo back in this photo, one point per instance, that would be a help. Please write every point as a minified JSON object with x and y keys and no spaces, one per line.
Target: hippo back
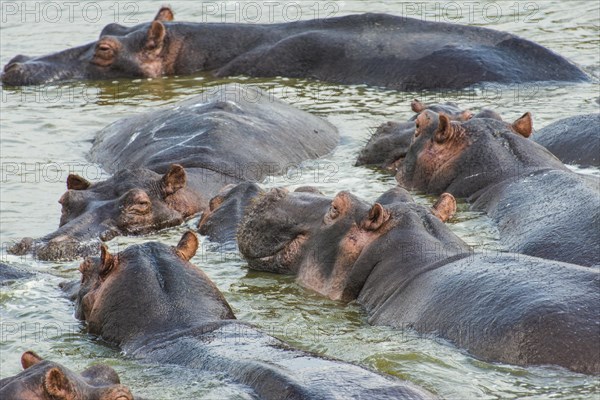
{"x":271,"y":368}
{"x":549,"y":214}
{"x":574,"y":140}
{"x":10,"y":274}
{"x":237,"y":131}
{"x":400,"y":53}
{"x":506,"y":307}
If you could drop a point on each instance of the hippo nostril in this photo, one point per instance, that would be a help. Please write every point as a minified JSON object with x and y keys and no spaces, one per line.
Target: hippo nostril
{"x":12,"y":66}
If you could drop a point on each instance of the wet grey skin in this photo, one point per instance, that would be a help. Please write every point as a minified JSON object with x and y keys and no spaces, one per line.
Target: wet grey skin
{"x":10,"y":274}
{"x":187,"y":322}
{"x":47,"y":380}
{"x":573,"y":140}
{"x":541,"y":208}
{"x":220,"y":222}
{"x":375,"y":49}
{"x":168,"y":163}
{"x":407,"y":269}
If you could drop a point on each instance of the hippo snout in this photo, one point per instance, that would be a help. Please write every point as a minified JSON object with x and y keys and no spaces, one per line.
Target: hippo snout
{"x":24,"y":71}
{"x":12,"y":66}
{"x":12,"y":73}
{"x":15,"y":74}
{"x":21,"y":248}
{"x":59,"y":248}
{"x":65,"y":248}
{"x":15,"y":64}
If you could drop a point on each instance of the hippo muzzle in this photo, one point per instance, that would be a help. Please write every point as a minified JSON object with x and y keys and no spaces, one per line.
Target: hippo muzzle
{"x":65,"y":65}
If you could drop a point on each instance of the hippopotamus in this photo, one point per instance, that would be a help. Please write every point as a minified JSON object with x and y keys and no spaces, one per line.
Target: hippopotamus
{"x":187,"y":322}
{"x":374,"y":49}
{"x":132,"y":202}
{"x":10,"y":274}
{"x":47,"y":380}
{"x":220,"y":222}
{"x":400,"y":262}
{"x":387,"y":146}
{"x":169,"y":163}
{"x":541,"y":208}
{"x":229,"y":134}
{"x":574,"y":140}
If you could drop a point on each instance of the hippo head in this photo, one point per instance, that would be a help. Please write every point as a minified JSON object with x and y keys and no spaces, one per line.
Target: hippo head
{"x":152,"y":277}
{"x":465,"y":157}
{"x":220,"y":221}
{"x":332,"y":244}
{"x":141,"y":51}
{"x":388,"y":145}
{"x":132,"y":202}
{"x":46,"y":380}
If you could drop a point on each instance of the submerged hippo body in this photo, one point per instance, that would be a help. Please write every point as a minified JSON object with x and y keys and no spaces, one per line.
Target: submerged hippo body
{"x":187,"y":322}
{"x":46,"y":380}
{"x":541,"y":208}
{"x":9,"y":274}
{"x":375,"y":49}
{"x":408,"y":270}
{"x":574,"y":140}
{"x":167,"y":164}
{"x":231,"y":133}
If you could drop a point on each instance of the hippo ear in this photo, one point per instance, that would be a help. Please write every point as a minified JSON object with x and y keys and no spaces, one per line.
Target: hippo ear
{"x":156,"y":35}
{"x":57,"y":385}
{"x":445,"y":130}
{"x":108,"y":261}
{"x":376,"y":218}
{"x":29,"y":358}
{"x":188,"y":245}
{"x":76,"y":182}
{"x":524,"y":125}
{"x":215,"y":202}
{"x":164,"y":14}
{"x":417,"y":106}
{"x":174,"y":179}
{"x":445,"y":207}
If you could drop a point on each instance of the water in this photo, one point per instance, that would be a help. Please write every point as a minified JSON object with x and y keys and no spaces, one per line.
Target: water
{"x":46,"y":132}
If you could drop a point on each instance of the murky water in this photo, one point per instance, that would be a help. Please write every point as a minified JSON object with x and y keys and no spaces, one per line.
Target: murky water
{"x":46,"y":132}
